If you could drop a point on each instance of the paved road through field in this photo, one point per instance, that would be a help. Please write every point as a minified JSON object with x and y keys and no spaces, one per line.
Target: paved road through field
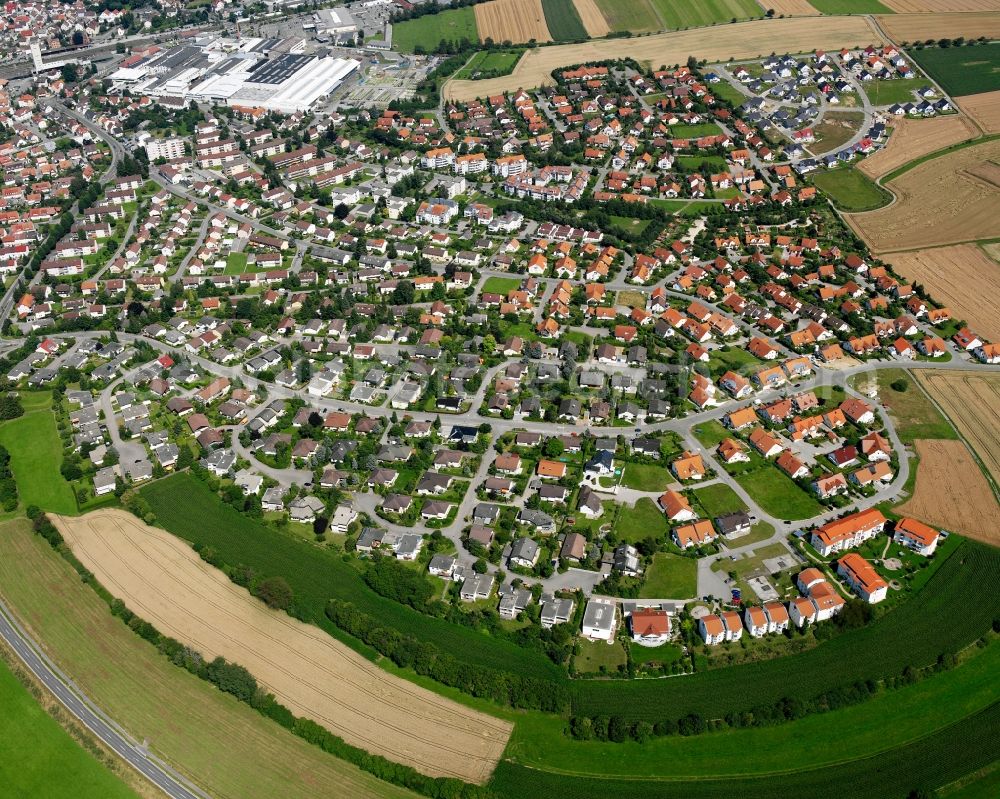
{"x":116,"y":739}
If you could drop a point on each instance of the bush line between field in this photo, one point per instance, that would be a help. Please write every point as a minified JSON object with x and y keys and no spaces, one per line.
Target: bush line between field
{"x":235,"y":680}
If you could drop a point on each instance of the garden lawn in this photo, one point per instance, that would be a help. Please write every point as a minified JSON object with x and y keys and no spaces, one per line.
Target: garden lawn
{"x":711,"y":433}
{"x":426,"y":32}
{"x":670,"y":577}
{"x":645,"y":520}
{"x":39,"y":758}
{"x":594,"y":654}
{"x":897,"y":90}
{"x":850,"y":190}
{"x":912,"y":410}
{"x":718,"y":500}
{"x":35,"y":459}
{"x":501,"y":285}
{"x":646,"y":477}
{"x":778,"y":494}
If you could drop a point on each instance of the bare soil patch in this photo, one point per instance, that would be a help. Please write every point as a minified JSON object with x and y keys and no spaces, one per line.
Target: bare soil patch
{"x":942,"y":201}
{"x":516,"y":21}
{"x":592,"y":18}
{"x":941,"y":6}
{"x":961,"y":277}
{"x":739,"y":40}
{"x":163,"y":580}
{"x":914,"y":138}
{"x":952,"y":493}
{"x":984,"y":108}
{"x":972,"y":401}
{"x":920,"y":27}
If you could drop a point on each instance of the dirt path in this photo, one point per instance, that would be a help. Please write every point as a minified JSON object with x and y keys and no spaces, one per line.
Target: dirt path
{"x":163,"y":580}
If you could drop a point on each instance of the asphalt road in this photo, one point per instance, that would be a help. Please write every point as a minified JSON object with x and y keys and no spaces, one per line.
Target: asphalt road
{"x":116,"y":739}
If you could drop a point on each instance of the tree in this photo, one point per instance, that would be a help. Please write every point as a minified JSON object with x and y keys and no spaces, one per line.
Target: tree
{"x":10,"y":407}
{"x":899,"y":385}
{"x":276,"y":593}
{"x":554,"y":447}
{"x":480,"y":566}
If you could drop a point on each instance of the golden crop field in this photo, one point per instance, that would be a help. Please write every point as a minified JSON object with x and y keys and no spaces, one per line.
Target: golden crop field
{"x":984,"y":108}
{"x":941,"y":6}
{"x":592,"y":18}
{"x":920,"y":27}
{"x":740,"y":40}
{"x":913,"y":138}
{"x":516,"y":21}
{"x":792,"y":8}
{"x":161,"y":579}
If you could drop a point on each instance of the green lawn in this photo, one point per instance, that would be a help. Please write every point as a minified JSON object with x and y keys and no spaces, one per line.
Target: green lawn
{"x":898,"y":90}
{"x":718,"y":500}
{"x":646,"y":477}
{"x":36,"y":456}
{"x":563,"y":20}
{"x":595,"y":654}
{"x":962,"y":70}
{"x":851,"y":190}
{"x":645,"y":520}
{"x":223,"y":745}
{"x":724,"y":90}
{"x":684,"y":207}
{"x":236,"y":263}
{"x":705,"y":12}
{"x":426,"y":32}
{"x":39,"y":757}
{"x":736,"y":358}
{"x":850,"y":7}
{"x":636,"y":16}
{"x":670,"y":577}
{"x":777,"y":494}
{"x":914,"y":413}
{"x":711,"y":433}
{"x":487,"y":63}
{"x":628,"y":225}
{"x":683,"y":131}
{"x":501,"y":285}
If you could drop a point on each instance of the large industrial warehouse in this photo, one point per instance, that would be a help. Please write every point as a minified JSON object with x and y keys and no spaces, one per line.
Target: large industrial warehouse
{"x":273,"y":74}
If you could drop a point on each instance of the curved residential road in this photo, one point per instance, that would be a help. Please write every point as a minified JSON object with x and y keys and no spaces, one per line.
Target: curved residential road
{"x":116,"y":739}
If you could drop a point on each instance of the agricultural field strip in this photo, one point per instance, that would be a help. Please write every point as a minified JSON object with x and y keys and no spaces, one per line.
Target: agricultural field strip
{"x":941,"y":6}
{"x":911,"y":139}
{"x":952,"y":492}
{"x":920,"y":27}
{"x":792,"y":8}
{"x":516,"y":21}
{"x":592,"y":18}
{"x":740,"y":40}
{"x":960,"y":277}
{"x":972,"y":402}
{"x":984,"y":109}
{"x":434,"y":734}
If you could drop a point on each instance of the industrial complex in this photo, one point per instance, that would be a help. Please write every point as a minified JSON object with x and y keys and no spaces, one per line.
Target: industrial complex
{"x":274,"y":74}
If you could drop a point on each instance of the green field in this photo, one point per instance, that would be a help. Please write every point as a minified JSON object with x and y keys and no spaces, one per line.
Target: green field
{"x":597,"y":655}
{"x":711,"y":433}
{"x":778,"y":494}
{"x":428,"y":31}
{"x":645,"y":520}
{"x":726,"y":91}
{"x":628,"y":225}
{"x":563,"y":20}
{"x":236,"y":263}
{"x":36,"y":455}
{"x":646,"y":477}
{"x":705,"y":12}
{"x":636,"y":16}
{"x":487,"y":63}
{"x":501,"y":285}
{"x":684,"y":207}
{"x":225,"y":746}
{"x":913,"y":633}
{"x":187,"y":508}
{"x":962,"y":70}
{"x":850,"y":190}
{"x":685,"y":131}
{"x":898,"y":90}
{"x":39,"y":757}
{"x":670,"y":577}
{"x":718,"y":500}
{"x":912,"y":410}
{"x":850,"y":7}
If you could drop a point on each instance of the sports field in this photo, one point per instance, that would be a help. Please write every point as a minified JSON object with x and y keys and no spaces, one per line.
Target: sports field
{"x":163,"y":581}
{"x":962,"y":70}
{"x":221,"y":744}
{"x":427,"y":31}
{"x":36,"y":455}
{"x":39,"y":758}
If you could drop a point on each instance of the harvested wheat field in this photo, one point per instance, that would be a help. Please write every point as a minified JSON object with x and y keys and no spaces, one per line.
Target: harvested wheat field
{"x":592,"y":18}
{"x":516,"y":21}
{"x":740,"y":40}
{"x":946,"y":200}
{"x":972,"y":402}
{"x":162,"y":579}
{"x":791,"y":8}
{"x":952,"y":493}
{"x":920,"y":27}
{"x":914,"y":138}
{"x":984,"y":108}
{"x":961,"y":277}
{"x":941,"y":6}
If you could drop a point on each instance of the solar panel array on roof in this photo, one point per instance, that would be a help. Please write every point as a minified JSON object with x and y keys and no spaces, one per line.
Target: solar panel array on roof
{"x":280,"y":69}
